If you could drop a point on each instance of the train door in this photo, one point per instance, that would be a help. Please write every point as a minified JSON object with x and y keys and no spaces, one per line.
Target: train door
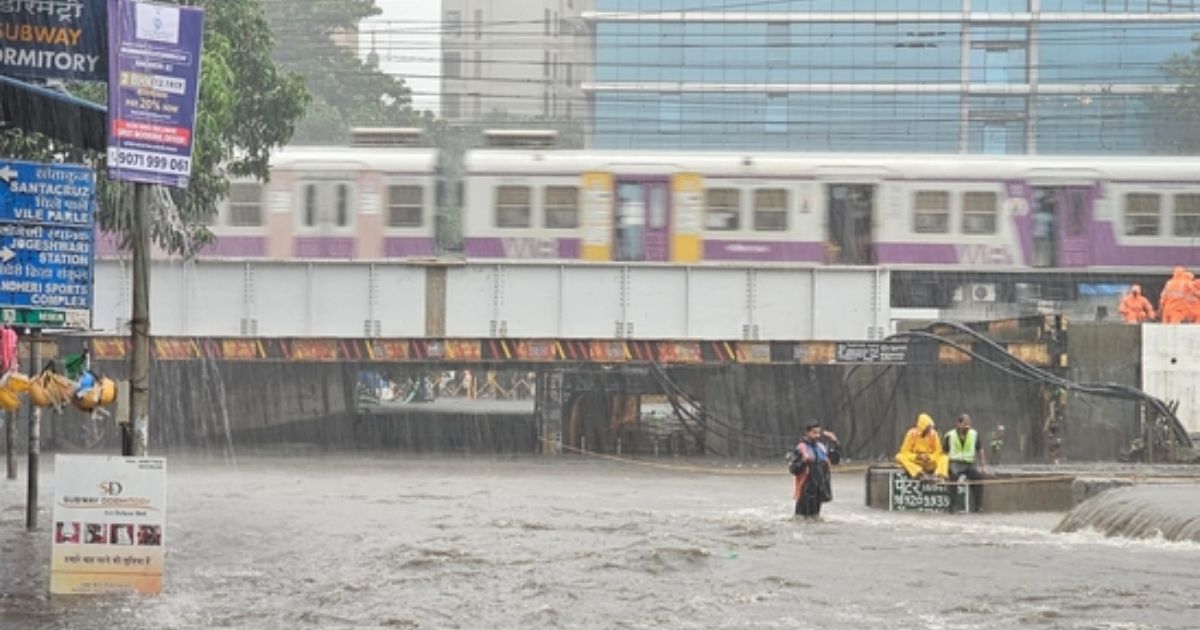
{"x":851,"y":208}
{"x":643,"y":220}
{"x":1062,"y":220}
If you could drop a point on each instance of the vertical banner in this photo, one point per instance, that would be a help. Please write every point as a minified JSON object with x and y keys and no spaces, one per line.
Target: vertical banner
{"x":153,"y":84}
{"x":53,"y":39}
{"x":688,"y":190}
{"x":597,"y":216}
{"x":108,"y":532}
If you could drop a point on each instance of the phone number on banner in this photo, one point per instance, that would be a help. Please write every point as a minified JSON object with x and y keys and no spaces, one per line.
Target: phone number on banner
{"x":147,"y":161}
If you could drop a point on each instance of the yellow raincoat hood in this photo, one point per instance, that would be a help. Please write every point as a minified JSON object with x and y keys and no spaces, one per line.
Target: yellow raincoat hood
{"x":924,"y":421}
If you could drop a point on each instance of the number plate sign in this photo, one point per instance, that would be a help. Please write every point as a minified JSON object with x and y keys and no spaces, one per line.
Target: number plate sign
{"x":153,"y":83}
{"x":913,"y":495}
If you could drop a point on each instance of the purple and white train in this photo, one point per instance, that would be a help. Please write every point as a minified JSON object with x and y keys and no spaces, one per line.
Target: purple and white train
{"x":971,"y":212}
{"x":918,"y":212}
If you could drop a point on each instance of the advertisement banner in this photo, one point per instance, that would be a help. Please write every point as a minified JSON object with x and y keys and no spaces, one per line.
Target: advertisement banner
{"x":47,"y":238}
{"x":108,"y":534}
{"x":54,"y":39}
{"x":153,"y":84}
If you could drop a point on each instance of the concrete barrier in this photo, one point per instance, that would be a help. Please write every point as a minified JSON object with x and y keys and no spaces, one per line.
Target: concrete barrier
{"x":1001,"y":493}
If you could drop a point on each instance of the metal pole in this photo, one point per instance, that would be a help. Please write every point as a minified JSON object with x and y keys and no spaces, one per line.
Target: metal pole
{"x":135,"y":433}
{"x":10,"y":431}
{"x":35,"y":438}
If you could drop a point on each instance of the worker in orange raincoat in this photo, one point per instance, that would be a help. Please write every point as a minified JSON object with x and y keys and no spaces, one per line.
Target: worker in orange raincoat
{"x":1191,"y":301}
{"x":1135,"y":308}
{"x":921,"y":453}
{"x":1173,"y":301}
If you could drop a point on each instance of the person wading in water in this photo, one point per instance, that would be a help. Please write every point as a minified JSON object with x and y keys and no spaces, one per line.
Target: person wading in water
{"x":810,"y":463}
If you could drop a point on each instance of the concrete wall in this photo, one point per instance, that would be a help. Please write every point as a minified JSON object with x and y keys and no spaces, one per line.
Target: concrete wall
{"x":870,"y":408}
{"x":1098,"y":428}
{"x":1171,"y":368}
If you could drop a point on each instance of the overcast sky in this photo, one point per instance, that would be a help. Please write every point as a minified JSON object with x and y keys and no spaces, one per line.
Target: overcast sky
{"x":407,"y":42}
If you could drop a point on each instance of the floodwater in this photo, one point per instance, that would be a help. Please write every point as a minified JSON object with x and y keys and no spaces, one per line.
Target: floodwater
{"x":400,"y":542}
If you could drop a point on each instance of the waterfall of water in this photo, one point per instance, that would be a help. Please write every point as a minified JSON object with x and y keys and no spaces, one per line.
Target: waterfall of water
{"x":1171,"y":511}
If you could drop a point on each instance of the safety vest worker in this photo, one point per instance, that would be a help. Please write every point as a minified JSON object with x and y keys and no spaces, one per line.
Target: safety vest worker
{"x":967,"y":458}
{"x":962,"y":450}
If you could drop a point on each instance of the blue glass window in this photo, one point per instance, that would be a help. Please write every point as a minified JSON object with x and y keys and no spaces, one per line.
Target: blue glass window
{"x":777,"y":113}
{"x":670,"y":113}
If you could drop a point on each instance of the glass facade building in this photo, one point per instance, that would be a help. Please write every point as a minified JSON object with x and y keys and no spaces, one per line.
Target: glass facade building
{"x":980,"y":76}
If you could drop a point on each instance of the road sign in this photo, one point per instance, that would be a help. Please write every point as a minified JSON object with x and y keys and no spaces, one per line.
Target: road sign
{"x":54,"y":39}
{"x":154,"y":80}
{"x":33,"y":318}
{"x":47,"y":238}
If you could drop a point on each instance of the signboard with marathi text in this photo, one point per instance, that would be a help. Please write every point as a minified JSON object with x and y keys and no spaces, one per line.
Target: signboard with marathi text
{"x":153,"y":84}
{"x":54,"y":39}
{"x":906,"y":494}
{"x":872,"y":352}
{"x":47,"y":237}
{"x":108,"y":530}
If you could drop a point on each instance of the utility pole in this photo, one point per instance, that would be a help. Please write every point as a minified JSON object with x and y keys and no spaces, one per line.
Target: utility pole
{"x":10,"y":432}
{"x":135,"y":432}
{"x":35,"y":438}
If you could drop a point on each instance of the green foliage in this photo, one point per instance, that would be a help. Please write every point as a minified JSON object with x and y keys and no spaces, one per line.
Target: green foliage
{"x":1174,"y":115}
{"x":246,"y":108}
{"x":347,"y":91}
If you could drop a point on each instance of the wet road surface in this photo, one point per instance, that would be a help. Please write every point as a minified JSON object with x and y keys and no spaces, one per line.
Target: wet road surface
{"x":377,"y":541}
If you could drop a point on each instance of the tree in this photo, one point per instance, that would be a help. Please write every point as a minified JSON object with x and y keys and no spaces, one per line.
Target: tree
{"x":347,"y":91}
{"x":247,"y":107}
{"x":1173,"y":115}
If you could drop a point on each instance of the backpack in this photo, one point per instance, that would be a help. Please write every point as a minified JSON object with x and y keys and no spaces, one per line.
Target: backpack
{"x":796,"y":463}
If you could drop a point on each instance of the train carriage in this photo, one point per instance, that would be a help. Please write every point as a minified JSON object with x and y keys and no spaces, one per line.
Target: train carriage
{"x":333,"y":203}
{"x":1001,"y":213}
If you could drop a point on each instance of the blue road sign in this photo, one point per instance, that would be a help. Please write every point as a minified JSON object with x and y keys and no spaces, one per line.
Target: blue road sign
{"x":47,"y":239}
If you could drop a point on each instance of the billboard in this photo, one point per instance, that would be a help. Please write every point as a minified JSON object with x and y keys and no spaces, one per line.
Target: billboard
{"x":54,"y":39}
{"x":47,"y":239}
{"x":153,"y":84}
{"x":108,"y":533}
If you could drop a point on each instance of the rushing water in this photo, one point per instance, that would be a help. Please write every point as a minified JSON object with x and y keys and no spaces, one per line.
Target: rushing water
{"x":402,"y":542}
{"x":1169,"y":512}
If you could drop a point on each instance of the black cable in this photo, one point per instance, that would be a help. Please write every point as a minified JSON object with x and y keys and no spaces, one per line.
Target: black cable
{"x":1029,"y":372}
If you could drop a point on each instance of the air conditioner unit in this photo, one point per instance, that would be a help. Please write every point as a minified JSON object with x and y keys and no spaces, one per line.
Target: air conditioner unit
{"x":983,"y":292}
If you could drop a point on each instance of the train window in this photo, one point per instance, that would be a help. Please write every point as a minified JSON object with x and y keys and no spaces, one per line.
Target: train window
{"x":1187,"y":215}
{"x":1141,"y":214}
{"x":245,"y":205}
{"x":722,"y":210}
{"x":310,"y":205}
{"x":343,"y":205}
{"x":979,"y":213}
{"x":931,"y":212}
{"x":770,"y":210}
{"x":406,"y":206}
{"x":513,"y":207}
{"x":562,"y":207}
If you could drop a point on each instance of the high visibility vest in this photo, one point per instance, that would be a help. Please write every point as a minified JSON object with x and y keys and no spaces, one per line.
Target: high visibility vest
{"x":960,"y":450}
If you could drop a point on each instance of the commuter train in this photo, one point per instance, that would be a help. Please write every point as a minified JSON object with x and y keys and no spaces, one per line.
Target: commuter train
{"x":333,"y":203}
{"x":948,"y":211}
{"x":944,"y":211}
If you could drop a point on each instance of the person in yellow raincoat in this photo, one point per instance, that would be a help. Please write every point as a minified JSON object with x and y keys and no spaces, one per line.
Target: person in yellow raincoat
{"x":921,"y":452}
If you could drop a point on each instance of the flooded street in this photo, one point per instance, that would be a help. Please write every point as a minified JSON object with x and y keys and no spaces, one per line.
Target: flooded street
{"x":399,"y":542}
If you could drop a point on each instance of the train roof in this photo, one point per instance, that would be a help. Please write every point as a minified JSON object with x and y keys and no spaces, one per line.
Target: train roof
{"x":818,"y":165}
{"x":384,"y":159}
